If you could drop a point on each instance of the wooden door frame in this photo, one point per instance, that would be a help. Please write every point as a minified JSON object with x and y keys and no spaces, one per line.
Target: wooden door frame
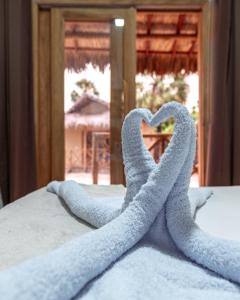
{"x":205,"y":7}
{"x":117,"y":57}
{"x":122,"y":84}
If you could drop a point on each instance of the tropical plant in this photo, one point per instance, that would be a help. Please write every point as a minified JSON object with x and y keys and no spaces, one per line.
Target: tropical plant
{"x":162,"y":90}
{"x":87,"y":86}
{"x":74,"y":96}
{"x":194,"y":114}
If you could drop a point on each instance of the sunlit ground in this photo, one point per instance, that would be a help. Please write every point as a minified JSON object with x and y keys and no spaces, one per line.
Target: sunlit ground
{"x":86,"y":178}
{"x":194,"y":180}
{"x":104,"y":179}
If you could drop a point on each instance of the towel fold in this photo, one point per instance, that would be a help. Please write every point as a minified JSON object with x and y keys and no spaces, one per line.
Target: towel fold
{"x":147,"y":245}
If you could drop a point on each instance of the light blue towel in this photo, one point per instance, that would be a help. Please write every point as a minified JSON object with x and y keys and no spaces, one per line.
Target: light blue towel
{"x":147,"y":246}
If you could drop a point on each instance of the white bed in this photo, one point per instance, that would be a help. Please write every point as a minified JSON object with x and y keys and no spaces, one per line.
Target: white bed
{"x":39,"y":222}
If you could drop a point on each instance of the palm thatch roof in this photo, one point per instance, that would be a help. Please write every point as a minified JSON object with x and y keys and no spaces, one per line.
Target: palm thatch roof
{"x":165,"y":42}
{"x":89,"y":112}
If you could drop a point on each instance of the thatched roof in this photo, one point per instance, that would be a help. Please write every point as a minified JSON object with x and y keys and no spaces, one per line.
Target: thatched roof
{"x":166,"y":43}
{"x":88,"y":111}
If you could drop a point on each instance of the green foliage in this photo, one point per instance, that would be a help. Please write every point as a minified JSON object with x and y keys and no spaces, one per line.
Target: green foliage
{"x":74,"y":96}
{"x":163,"y":89}
{"x":194,"y":114}
{"x":87,"y":86}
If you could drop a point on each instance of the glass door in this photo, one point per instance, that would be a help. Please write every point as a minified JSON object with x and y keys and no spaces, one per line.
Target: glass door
{"x":87,"y":100}
{"x":91,"y":90}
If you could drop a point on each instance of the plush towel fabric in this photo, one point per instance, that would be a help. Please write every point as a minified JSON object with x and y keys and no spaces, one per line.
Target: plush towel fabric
{"x":150,"y":247}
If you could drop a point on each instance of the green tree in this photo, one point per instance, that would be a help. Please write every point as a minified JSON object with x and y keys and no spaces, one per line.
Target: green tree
{"x":194,"y":114}
{"x":162,"y":92}
{"x":87,"y":86}
{"x":74,"y":96}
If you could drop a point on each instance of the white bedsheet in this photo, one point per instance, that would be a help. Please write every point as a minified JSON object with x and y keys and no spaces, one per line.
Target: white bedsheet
{"x":39,"y":222}
{"x":221,"y":215}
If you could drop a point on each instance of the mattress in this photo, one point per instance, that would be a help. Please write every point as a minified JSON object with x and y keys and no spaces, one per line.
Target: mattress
{"x":40,"y":222}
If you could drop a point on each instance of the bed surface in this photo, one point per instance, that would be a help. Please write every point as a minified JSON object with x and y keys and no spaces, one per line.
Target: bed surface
{"x":40,"y":222}
{"x":221,"y":214}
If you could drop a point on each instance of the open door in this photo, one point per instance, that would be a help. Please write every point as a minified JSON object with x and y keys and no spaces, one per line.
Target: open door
{"x":120,"y":36}
{"x":49,"y":19}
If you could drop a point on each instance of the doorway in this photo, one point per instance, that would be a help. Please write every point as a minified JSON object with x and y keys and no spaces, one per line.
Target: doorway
{"x":167,"y":45}
{"x":86,"y":129}
{"x":55,"y":25}
{"x":87,"y":98}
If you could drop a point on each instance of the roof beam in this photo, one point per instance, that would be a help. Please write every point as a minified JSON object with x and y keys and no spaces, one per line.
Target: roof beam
{"x":192,"y":47}
{"x":181,"y":21}
{"x":149,"y":24}
{"x":174,"y":48}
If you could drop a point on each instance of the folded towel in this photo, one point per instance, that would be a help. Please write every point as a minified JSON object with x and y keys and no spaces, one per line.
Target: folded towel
{"x":100,"y":211}
{"x":147,"y":248}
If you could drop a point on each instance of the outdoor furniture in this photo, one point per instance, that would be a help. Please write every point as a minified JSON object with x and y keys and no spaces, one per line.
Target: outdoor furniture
{"x":100,"y":153}
{"x":156,"y":144}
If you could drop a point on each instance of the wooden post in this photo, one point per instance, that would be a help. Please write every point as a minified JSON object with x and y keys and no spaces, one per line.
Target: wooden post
{"x":94,"y":158}
{"x":85,"y":150}
{"x":57,"y":95}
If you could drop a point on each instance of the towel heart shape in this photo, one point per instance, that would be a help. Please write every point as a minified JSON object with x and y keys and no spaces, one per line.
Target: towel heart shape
{"x":169,"y":180}
{"x":138,"y":161}
{"x":151,"y":189}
